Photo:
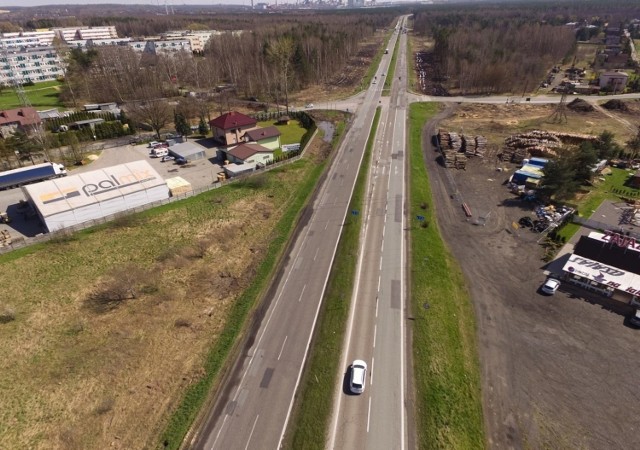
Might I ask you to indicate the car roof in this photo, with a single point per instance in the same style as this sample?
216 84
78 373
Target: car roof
552 282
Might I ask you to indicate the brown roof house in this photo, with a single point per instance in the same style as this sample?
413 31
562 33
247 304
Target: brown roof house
267 137
20 118
230 127
246 157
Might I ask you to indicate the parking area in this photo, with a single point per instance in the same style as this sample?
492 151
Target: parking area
200 173
558 371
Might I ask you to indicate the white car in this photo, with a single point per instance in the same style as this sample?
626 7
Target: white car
550 286
309 105
358 377
635 319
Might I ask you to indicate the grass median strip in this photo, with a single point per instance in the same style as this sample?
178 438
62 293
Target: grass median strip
315 399
445 360
392 69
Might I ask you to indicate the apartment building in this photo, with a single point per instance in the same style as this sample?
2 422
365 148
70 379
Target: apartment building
30 64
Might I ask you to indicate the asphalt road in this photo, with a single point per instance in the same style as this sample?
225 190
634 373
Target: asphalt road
375 334
253 406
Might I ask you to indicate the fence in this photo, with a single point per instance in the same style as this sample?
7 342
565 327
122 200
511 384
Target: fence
601 226
65 232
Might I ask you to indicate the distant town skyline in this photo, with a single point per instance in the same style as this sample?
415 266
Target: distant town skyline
160 3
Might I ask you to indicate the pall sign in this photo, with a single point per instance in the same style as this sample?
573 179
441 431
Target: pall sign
108 184
112 182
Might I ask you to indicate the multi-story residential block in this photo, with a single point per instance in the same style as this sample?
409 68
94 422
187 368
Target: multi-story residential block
30 64
166 47
84 33
88 43
197 39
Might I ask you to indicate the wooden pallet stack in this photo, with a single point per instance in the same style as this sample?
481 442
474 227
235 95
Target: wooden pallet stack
461 161
449 158
445 141
455 142
481 145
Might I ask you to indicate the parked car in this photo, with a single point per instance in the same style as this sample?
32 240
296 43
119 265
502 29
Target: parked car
167 158
550 286
309 105
153 144
526 222
358 377
180 160
635 319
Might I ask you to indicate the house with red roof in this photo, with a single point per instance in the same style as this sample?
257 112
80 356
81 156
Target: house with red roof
230 127
19 118
267 137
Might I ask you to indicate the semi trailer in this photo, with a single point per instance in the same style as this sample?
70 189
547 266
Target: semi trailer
31 174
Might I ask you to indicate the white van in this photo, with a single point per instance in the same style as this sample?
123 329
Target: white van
159 152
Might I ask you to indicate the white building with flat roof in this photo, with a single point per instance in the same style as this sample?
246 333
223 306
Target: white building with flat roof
30 64
77 199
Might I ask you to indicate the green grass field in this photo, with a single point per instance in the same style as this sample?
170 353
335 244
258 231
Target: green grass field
291 134
446 369
313 409
41 95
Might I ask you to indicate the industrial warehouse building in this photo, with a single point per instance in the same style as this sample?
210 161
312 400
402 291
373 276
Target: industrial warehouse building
188 151
607 263
69 201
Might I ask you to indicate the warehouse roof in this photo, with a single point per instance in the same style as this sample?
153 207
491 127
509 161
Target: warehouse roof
76 191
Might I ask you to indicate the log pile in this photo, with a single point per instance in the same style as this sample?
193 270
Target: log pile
455 142
540 143
461 161
5 238
449 158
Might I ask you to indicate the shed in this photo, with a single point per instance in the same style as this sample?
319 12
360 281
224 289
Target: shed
69 201
85 123
233 169
527 174
539 162
188 150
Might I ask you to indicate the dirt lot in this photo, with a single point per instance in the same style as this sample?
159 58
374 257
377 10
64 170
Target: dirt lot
558 372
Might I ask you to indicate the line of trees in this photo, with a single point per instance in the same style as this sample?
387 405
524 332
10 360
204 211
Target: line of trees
508 48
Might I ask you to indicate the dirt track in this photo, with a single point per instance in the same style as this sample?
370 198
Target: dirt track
557 372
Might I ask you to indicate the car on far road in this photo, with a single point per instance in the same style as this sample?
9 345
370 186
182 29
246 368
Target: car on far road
550 286
635 319
309 105
358 376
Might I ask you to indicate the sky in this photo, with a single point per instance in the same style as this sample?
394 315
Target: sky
130 2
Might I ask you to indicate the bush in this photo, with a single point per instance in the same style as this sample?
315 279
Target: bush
7 314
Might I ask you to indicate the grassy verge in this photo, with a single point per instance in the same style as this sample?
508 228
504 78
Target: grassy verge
375 64
196 394
315 400
386 90
446 369
40 95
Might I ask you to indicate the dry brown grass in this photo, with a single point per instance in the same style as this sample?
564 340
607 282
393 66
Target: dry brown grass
74 377
496 122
